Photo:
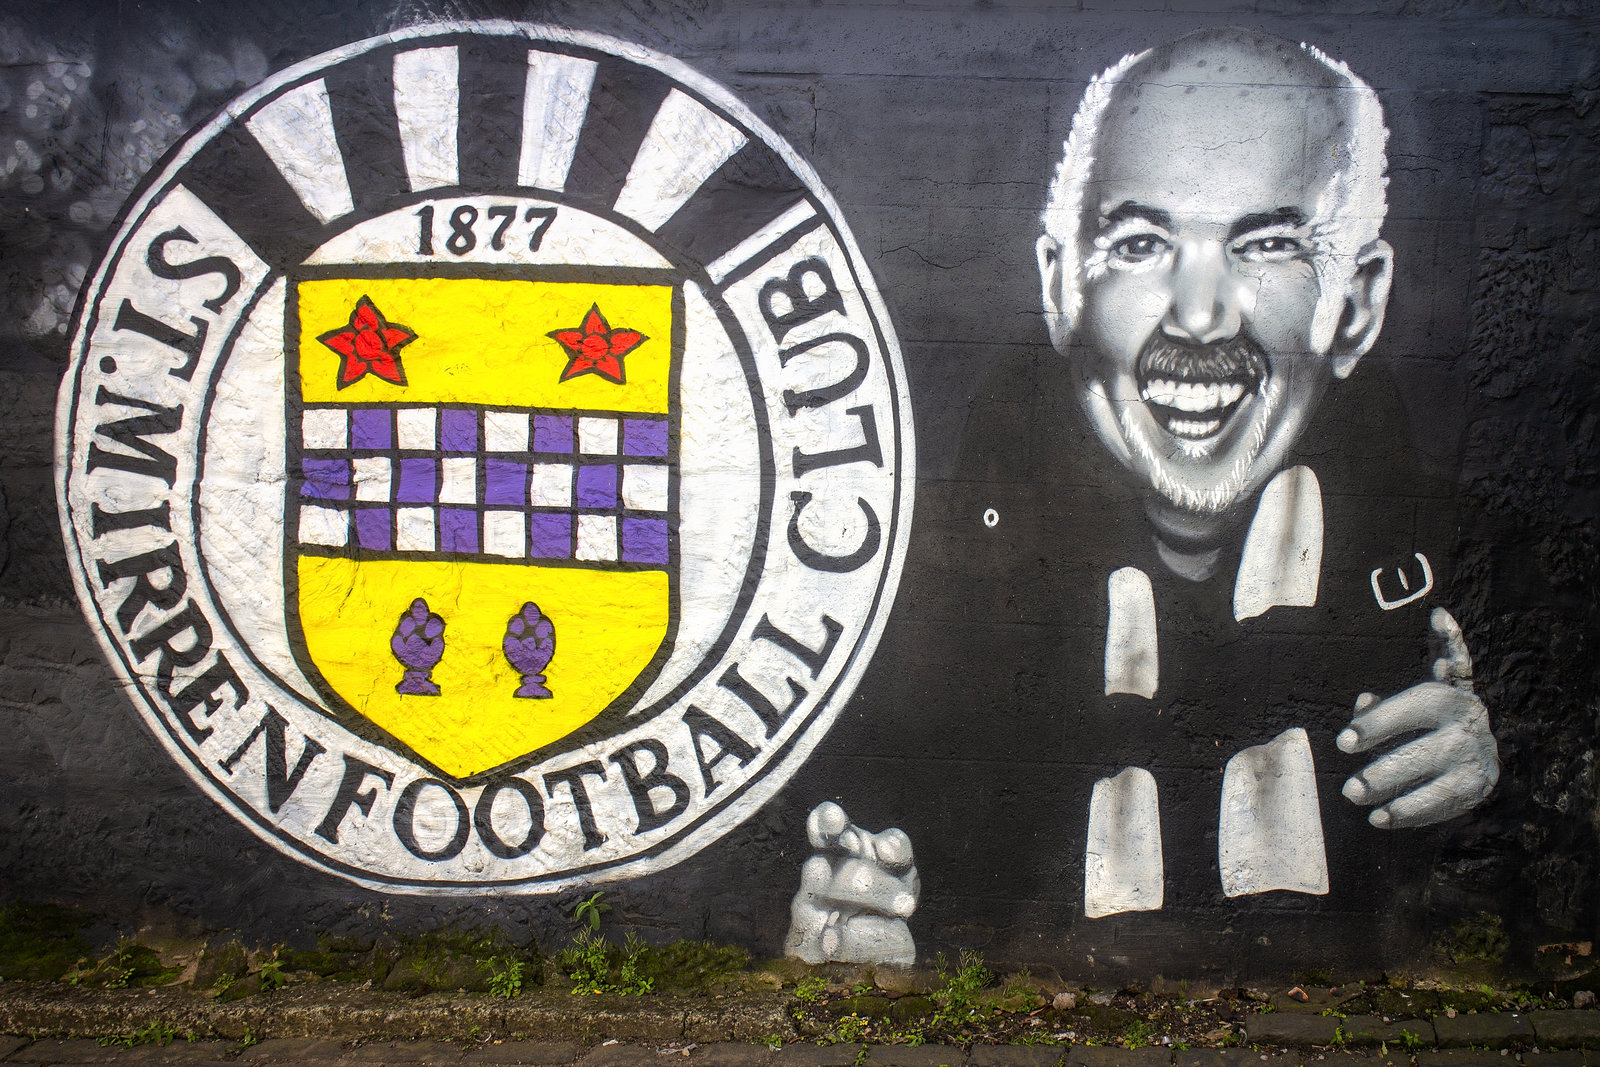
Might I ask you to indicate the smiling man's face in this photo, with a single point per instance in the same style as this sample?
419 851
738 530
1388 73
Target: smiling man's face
1216 302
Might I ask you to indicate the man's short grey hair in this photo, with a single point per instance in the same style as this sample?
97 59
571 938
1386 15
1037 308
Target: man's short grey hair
1349 214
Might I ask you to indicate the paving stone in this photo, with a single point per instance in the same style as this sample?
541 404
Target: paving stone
1370 1030
1243 1057
730 1054
420 1052
1465 1057
1496 1029
1014 1055
76 1050
1102 1056
921 1056
620 1055
84 1050
525 1052
1558 1059
1567 1029
802 1055
292 1050
1281 1028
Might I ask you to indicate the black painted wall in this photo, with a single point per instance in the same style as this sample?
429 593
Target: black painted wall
935 127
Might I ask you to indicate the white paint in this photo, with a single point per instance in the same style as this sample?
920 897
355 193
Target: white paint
855 894
1132 664
740 254
505 533
414 530
427 103
373 477
686 144
415 429
1270 833
551 485
644 487
1282 561
505 431
1122 862
553 110
367 851
296 131
573 236
324 428
458 483
323 526
1410 594
597 537
597 436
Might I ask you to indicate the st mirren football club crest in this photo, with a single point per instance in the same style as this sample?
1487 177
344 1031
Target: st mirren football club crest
486 459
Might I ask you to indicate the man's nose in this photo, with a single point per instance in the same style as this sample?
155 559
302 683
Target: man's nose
1207 302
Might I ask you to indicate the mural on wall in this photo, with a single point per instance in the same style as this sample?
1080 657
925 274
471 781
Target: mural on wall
1259 674
486 459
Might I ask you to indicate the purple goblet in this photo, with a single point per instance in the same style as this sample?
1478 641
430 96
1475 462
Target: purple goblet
529 644
418 643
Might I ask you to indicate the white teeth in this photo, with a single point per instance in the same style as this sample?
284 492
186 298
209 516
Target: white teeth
1193 397
1194 428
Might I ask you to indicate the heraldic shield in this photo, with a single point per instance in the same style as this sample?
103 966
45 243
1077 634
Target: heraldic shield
481 502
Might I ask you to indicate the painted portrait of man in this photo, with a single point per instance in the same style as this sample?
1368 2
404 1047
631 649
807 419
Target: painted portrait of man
1229 675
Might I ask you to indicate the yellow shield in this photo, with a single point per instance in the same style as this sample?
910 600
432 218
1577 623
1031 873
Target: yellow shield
482 503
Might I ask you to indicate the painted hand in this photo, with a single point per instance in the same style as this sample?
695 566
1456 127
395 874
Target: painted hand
855 894
1447 771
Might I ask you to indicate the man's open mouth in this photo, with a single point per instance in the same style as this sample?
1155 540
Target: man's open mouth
1193 391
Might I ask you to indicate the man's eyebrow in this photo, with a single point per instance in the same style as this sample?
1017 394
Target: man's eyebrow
1283 216
1130 210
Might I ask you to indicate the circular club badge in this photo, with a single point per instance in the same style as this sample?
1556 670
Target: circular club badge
486 459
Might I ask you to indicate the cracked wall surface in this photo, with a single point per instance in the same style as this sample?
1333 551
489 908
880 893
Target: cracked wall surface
937 128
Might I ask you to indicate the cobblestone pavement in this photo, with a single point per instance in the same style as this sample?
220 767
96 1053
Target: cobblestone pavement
314 1052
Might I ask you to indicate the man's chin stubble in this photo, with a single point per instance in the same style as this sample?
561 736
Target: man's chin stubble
1215 500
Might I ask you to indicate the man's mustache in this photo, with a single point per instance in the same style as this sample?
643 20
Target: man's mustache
1236 358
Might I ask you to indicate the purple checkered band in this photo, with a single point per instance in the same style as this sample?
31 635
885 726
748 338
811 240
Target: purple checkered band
553 433
371 428
644 437
552 468
458 430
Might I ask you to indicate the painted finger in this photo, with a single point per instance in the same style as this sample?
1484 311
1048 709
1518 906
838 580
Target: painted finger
1349 739
1443 798
1428 757
825 823
1454 665
1422 707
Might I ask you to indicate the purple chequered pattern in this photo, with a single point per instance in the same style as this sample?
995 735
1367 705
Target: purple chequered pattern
458 530
550 535
552 433
325 479
371 428
644 540
597 487
505 482
644 437
418 482
375 529
458 431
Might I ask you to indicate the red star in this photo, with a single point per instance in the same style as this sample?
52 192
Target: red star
597 348
370 345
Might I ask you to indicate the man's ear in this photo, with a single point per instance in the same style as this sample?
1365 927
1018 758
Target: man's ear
1365 304
1052 279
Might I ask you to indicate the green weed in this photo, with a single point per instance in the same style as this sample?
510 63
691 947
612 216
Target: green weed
153 1034
506 981
590 911
810 989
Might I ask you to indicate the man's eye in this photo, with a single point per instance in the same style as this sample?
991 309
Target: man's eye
1270 248
1139 248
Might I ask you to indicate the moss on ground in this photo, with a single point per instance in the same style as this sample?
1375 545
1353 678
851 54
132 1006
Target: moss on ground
40 942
